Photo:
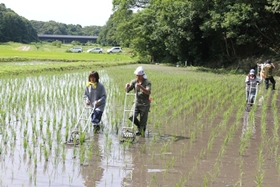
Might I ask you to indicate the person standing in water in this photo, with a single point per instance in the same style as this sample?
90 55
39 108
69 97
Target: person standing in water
142 87
95 96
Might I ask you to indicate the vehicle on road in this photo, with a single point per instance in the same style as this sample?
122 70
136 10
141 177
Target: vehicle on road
115 50
76 49
95 50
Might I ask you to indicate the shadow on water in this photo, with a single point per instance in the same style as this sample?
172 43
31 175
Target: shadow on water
165 137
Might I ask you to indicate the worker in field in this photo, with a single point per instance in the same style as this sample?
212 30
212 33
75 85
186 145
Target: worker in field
142 87
251 83
268 71
95 96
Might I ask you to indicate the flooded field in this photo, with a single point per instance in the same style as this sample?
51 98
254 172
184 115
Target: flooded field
199 133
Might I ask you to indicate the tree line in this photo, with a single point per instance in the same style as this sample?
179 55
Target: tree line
14 27
197 31
213 32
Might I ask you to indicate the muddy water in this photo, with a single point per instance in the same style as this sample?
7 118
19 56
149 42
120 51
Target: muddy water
166 156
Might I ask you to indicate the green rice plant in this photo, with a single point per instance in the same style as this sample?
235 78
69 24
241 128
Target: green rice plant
82 136
82 154
35 161
46 154
259 179
74 151
29 152
205 181
66 133
63 154
25 144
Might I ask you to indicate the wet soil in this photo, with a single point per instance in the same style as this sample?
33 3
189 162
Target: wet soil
186 151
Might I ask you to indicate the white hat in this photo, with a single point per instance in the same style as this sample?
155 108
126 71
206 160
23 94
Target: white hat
140 71
252 72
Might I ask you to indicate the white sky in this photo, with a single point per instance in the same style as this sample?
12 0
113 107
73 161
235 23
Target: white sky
83 12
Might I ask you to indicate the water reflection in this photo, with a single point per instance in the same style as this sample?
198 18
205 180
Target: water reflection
112 166
37 115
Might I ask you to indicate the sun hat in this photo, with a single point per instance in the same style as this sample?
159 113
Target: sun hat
140 71
252 72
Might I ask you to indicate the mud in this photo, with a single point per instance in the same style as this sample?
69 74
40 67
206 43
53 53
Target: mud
178 153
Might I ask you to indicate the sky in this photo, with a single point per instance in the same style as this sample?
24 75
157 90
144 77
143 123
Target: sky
82 12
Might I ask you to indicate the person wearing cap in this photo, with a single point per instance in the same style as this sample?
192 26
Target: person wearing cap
142 87
251 82
95 96
268 68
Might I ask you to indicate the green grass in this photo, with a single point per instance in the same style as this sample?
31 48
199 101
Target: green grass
13 60
13 52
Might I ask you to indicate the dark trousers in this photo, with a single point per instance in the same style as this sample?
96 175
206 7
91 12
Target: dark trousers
271 79
143 111
96 117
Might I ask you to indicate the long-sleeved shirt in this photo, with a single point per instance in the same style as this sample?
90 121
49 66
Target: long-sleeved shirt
251 82
96 92
142 98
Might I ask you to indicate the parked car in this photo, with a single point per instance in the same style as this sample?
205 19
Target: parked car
95 50
76 49
115 50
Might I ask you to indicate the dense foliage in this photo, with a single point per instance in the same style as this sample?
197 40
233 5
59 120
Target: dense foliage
18 29
14 27
198 31
52 27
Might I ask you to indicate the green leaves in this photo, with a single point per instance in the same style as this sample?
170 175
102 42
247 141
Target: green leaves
196 30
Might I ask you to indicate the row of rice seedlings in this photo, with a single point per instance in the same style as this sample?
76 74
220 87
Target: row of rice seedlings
248 130
221 128
55 122
224 123
275 131
40 132
265 139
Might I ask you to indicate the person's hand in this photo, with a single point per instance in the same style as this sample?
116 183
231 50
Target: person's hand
127 85
139 85
88 102
96 103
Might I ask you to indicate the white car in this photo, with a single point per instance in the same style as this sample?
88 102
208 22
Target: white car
115 50
95 50
76 49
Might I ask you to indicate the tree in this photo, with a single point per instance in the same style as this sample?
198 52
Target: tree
221 31
108 35
15 28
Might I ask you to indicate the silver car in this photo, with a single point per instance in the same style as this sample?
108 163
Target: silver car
76 49
115 50
95 50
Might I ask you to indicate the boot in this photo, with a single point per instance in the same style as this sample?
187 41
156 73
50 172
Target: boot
141 132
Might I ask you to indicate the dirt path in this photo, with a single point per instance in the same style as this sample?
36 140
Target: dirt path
24 48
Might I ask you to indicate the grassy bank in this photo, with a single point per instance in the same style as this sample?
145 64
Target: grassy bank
17 58
16 68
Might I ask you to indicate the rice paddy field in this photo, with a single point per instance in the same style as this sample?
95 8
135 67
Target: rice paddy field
199 133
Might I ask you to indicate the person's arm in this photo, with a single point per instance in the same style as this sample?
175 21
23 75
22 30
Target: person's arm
129 86
86 96
145 90
247 80
103 97
272 65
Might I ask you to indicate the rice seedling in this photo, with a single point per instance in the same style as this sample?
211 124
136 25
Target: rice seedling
200 114
46 154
